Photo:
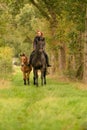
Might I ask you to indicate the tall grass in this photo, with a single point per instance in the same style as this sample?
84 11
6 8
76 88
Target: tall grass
56 106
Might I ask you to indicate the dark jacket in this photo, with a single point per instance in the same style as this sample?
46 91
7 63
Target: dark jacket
36 40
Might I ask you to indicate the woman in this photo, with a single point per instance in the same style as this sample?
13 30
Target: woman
39 37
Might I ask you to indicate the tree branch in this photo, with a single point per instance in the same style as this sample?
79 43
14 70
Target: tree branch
40 9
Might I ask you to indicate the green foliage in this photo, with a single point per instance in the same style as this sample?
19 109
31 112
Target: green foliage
26 15
5 60
61 21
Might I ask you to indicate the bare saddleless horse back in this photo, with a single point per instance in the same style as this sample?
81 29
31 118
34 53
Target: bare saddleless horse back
39 63
25 68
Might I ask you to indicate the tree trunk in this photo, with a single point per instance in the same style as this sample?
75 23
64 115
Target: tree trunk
53 68
85 50
62 59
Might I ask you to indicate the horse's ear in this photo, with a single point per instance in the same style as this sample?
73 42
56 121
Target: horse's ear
22 54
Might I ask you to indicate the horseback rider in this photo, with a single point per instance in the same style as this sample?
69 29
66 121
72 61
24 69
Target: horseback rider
38 38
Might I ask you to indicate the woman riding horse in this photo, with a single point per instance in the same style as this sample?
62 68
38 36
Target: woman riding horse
38 38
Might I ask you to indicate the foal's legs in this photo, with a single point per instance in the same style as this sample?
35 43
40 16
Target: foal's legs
24 77
28 78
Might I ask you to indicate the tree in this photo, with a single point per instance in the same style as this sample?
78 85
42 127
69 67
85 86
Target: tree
85 50
61 21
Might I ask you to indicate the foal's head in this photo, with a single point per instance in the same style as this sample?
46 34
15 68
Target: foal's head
24 59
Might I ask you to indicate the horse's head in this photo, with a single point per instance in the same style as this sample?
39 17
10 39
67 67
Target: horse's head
24 59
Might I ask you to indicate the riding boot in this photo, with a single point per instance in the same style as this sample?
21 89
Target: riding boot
48 65
47 60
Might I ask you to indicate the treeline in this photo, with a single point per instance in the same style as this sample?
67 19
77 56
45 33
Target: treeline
63 24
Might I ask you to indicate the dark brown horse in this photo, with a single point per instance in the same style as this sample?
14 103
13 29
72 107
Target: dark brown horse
39 63
25 68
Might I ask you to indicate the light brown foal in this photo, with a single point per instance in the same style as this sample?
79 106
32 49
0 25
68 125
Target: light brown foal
25 69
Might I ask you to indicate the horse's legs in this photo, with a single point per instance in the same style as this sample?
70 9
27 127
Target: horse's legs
34 80
34 76
28 78
28 81
45 76
37 77
24 77
42 74
24 81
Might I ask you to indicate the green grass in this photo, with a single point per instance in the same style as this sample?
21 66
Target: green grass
56 106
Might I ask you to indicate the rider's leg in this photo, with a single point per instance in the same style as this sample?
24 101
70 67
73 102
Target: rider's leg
47 59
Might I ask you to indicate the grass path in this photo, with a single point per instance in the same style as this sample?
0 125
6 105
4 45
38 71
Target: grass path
56 106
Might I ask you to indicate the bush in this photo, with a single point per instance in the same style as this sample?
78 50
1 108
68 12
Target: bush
5 60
